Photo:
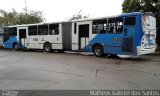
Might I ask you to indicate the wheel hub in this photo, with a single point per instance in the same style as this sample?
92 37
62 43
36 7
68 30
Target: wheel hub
98 51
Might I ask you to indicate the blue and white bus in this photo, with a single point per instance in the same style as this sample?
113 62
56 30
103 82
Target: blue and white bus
1 37
125 34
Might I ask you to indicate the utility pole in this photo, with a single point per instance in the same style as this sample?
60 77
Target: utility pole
26 6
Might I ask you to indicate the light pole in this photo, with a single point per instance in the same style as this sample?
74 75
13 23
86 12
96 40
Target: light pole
26 6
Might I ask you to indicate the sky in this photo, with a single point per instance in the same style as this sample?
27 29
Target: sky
62 10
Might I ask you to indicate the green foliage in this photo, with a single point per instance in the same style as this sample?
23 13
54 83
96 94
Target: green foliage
30 17
140 5
78 16
131 6
144 6
7 18
25 17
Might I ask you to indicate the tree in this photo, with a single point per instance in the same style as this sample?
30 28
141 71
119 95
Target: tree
144 6
7 18
14 18
131 6
78 16
30 17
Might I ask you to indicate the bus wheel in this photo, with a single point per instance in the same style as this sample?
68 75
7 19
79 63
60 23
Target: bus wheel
15 47
98 50
47 47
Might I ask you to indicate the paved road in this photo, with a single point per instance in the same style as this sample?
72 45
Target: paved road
40 70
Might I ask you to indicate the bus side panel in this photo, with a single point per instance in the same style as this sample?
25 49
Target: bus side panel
139 33
134 33
132 36
128 42
124 43
82 36
67 35
1 40
75 36
111 43
10 41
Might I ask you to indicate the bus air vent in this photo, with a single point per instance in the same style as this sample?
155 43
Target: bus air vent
127 44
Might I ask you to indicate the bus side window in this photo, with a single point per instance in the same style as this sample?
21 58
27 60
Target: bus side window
43 30
115 25
99 26
13 31
75 28
6 34
54 29
53 32
130 21
119 27
32 30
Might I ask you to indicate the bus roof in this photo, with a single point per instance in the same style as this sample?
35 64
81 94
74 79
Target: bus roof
123 14
80 20
24 25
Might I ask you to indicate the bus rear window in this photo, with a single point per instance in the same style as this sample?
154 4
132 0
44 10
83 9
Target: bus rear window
130 21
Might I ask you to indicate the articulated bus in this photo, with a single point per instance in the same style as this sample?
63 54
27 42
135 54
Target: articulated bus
1 37
125 34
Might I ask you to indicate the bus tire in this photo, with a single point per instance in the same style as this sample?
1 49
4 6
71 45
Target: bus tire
98 50
15 47
47 47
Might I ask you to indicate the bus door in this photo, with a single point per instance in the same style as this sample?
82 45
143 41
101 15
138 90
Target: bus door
129 34
22 35
83 30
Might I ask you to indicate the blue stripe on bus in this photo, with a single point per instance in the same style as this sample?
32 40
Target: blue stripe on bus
10 41
109 46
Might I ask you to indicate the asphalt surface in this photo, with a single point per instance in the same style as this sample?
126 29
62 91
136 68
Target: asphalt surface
37 70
